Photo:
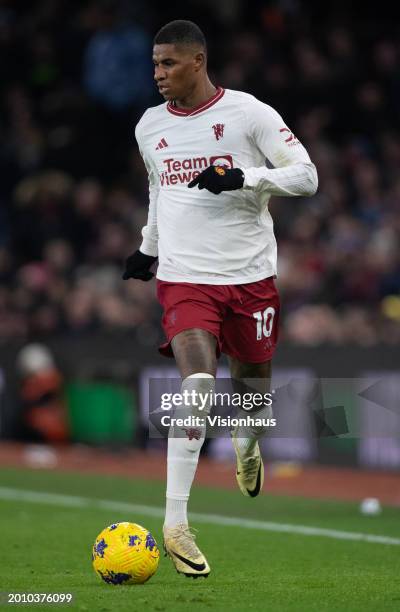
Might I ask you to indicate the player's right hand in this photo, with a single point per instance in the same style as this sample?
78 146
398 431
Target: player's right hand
138 266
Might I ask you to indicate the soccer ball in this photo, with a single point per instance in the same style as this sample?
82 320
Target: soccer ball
125 553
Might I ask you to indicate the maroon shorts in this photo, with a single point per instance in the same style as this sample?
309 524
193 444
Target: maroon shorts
243 318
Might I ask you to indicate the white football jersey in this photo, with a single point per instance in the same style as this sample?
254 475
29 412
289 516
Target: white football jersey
228 238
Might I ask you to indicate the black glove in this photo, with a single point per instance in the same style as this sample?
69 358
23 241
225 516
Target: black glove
219 178
138 266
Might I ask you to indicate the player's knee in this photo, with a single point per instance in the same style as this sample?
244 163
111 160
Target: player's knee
197 392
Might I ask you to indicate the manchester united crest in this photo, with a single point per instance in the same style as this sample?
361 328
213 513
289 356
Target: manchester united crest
218 130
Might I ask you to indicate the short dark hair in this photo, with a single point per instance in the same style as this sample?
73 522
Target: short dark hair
180 32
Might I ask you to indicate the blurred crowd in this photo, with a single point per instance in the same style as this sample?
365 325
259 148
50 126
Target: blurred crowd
75 78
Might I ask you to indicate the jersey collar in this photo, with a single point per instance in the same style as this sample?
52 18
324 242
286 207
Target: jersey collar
186 112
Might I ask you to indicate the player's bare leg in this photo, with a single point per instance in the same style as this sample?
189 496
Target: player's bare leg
250 468
195 355
195 351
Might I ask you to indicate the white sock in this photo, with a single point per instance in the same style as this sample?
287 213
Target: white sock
176 512
247 437
183 456
246 446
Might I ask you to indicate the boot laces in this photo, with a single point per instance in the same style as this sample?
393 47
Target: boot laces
184 536
251 466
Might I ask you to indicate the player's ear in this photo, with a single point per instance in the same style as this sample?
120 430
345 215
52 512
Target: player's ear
200 60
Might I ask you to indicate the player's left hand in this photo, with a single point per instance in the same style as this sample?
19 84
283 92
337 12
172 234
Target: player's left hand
219 178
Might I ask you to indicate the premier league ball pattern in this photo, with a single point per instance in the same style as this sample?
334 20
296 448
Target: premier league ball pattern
125 553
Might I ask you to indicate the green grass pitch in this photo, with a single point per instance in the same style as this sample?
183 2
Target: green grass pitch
47 548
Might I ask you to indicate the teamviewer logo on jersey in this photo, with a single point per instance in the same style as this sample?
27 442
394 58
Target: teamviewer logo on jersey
182 171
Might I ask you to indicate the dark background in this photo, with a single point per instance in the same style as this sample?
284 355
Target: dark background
75 78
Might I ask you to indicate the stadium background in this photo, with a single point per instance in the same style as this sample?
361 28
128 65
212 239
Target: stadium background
75 78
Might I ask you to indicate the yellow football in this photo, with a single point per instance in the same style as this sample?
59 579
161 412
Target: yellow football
125 553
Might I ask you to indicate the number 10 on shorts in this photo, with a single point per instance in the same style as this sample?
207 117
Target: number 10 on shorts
265 321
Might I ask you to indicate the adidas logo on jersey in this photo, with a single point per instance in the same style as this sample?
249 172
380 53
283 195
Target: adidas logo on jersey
162 144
